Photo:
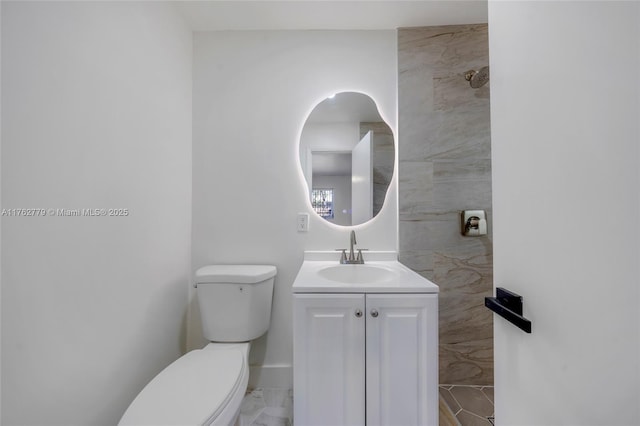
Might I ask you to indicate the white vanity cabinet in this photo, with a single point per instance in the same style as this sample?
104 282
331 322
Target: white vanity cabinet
365 359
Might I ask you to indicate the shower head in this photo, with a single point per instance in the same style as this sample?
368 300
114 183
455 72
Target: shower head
477 78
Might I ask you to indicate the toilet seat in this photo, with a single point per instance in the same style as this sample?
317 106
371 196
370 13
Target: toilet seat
193 390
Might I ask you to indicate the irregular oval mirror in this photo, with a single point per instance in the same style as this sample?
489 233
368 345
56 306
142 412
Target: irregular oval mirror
347 155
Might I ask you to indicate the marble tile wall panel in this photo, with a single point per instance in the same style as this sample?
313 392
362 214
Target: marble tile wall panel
416 181
383 160
462 184
421 261
445 136
429 232
445 49
451 93
444 167
466 332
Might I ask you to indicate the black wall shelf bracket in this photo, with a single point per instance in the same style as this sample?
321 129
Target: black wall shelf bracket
509 306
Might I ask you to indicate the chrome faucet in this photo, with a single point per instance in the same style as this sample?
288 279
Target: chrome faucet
352 242
352 258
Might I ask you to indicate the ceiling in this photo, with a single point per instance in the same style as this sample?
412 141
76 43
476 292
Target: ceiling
214 15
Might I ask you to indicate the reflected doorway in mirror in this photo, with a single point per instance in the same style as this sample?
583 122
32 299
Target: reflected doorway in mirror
346 145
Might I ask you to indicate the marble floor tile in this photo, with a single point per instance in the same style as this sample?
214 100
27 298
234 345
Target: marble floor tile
473 400
445 415
470 405
459 406
469 419
267 407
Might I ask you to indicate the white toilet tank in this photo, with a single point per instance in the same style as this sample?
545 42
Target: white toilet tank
235 301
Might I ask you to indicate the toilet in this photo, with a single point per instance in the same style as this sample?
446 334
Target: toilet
206 386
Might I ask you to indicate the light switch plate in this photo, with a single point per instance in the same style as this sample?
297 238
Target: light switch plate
303 222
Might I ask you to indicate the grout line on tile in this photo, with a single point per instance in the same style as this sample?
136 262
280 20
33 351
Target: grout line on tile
475 415
455 399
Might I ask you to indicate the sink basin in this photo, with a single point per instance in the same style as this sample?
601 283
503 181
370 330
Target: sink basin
356 274
321 272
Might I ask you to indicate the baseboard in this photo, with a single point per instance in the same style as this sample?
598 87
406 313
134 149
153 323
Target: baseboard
271 376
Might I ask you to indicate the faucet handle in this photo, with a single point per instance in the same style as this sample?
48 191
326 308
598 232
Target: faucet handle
343 256
360 259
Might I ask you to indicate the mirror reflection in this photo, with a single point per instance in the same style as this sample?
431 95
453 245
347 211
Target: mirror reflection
347 154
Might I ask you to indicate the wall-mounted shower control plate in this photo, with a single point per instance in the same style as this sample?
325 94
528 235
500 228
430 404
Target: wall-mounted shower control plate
473 223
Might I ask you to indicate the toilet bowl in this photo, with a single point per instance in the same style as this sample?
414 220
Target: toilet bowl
206 386
203 387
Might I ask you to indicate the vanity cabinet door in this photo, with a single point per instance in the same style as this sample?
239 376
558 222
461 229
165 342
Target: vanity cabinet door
402 359
329 359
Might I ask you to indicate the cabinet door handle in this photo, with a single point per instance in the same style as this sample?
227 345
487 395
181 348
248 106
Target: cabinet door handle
358 313
374 313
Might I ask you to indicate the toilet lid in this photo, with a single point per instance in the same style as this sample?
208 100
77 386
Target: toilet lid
241 274
191 391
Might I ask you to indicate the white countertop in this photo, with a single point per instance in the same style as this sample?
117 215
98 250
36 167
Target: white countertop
397 277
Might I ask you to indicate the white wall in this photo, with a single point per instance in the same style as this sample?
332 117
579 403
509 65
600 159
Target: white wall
96 113
0 220
252 94
565 113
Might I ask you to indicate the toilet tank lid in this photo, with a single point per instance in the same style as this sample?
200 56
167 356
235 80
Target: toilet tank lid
241 274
